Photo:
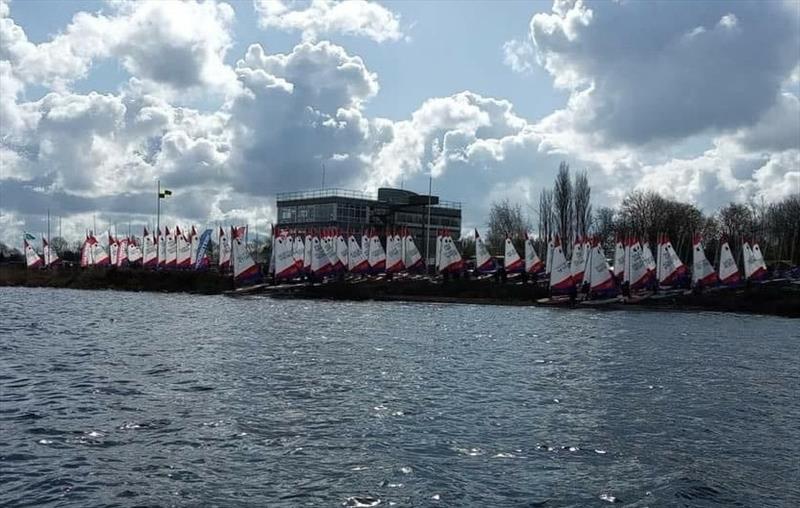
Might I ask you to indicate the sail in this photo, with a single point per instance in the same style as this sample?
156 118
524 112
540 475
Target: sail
532 262
184 249
365 245
394 254
413 259
560 275
450 259
728 271
357 263
50 256
171 249
134 251
320 263
224 251
307 253
122 252
329 248
599 274
32 258
759 258
670 268
194 242
203 246
484 262
754 269
549 261
619 259
149 250
86 252
285 260
245 268
702 271
578 263
341 251
113 250
512 262
647 254
438 255
99 253
298 252
377 256
161 240
638 274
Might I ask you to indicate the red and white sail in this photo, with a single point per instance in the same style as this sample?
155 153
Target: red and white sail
413 259
113 249
245 267
754 266
638 274
560 274
365 245
161 245
512 262
122 251
759 257
728 271
438 254
149 250
670 269
599 274
285 260
224 251
100 255
49 253
649 261
549 261
578 263
450 259
377 256
320 263
357 263
298 252
135 254
32 258
171 246
341 251
532 262
394 254
184 249
307 253
484 262
619 259
86 252
702 271
194 243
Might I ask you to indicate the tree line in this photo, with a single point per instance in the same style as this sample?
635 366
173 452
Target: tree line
566 210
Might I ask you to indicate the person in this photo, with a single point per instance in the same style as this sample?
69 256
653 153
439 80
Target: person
573 294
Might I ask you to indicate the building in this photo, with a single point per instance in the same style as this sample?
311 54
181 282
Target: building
356 211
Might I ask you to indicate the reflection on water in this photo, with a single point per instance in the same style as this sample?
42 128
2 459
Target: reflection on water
144 399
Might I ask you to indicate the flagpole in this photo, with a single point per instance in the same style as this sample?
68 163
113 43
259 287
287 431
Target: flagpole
158 209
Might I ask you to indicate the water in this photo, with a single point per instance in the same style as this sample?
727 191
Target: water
130 399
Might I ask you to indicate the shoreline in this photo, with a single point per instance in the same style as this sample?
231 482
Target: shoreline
776 299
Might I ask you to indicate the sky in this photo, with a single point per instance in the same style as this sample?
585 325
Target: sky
228 104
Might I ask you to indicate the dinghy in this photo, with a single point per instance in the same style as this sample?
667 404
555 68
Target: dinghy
224 252
183 249
619 259
512 262
245 269
394 254
670 270
578 263
533 264
149 250
484 262
377 256
602 284
32 258
49 254
285 258
356 262
450 261
728 272
413 259
754 267
561 283
703 274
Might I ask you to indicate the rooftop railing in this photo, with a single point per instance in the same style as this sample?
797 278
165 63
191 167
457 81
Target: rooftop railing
346 193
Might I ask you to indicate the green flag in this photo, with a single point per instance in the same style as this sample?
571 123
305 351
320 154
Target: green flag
29 236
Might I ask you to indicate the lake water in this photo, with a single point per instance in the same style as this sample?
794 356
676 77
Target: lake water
130 399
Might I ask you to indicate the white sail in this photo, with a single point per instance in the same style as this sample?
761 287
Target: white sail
754 267
122 252
330 252
512 262
638 274
560 275
99 253
135 254
647 254
113 250
48 253
285 257
549 261
728 271
307 253
357 263
702 271
757 254
184 249
394 254
670 267
298 252
224 251
171 248
532 262
245 267
483 260
86 252
413 259
341 252
377 256
451 261
149 250
599 275
438 255
162 248
578 263
619 259
194 242
365 246
320 263
32 258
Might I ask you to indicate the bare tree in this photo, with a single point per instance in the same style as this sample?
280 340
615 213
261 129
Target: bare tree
581 199
505 219
562 204
605 226
546 220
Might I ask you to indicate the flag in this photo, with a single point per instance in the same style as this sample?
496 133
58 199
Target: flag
29 236
165 193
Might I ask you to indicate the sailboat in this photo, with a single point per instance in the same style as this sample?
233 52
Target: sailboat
245 268
638 274
703 274
533 264
728 272
602 284
320 263
450 260
561 282
549 261
32 258
50 255
285 260
224 252
356 262
412 256
341 252
183 250
171 246
100 255
394 254
512 262
619 259
754 267
670 270
578 263
377 256
484 262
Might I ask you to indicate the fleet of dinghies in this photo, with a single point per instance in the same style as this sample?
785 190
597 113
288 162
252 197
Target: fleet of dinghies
331 252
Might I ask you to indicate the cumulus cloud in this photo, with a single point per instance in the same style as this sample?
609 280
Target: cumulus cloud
325 17
658 71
